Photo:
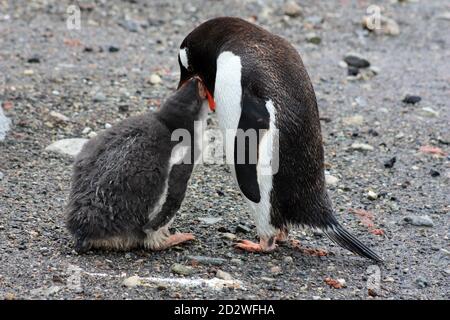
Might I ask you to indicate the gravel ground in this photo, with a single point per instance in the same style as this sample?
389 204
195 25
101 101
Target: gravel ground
45 67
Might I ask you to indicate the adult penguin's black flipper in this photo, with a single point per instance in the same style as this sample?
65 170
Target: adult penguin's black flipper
254 118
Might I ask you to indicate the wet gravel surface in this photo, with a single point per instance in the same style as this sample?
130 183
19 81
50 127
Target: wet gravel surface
102 73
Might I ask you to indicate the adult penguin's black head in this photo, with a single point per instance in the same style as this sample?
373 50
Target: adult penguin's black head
200 49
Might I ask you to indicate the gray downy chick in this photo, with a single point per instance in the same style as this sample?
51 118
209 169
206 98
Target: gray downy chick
130 180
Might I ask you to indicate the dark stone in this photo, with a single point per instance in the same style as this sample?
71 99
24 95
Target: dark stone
220 193
129 25
434 173
356 62
123 108
242 228
223 229
352 71
411 99
88 49
113 49
390 163
34 59
206 260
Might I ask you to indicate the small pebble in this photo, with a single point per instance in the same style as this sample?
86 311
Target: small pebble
331 180
356 61
411 99
292 9
313 38
131 282
229 236
420 221
429 112
288 260
390 163
182 269
210 220
113 49
223 275
86 130
352 71
99 97
123 108
58 117
353 120
434 173
92 134
242 228
362 146
206 260
70 147
421 282
34 59
155 79
371 195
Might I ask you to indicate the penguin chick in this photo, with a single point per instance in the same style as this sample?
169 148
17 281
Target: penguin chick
128 181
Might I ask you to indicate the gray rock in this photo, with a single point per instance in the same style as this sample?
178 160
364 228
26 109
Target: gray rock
330 180
444 16
154 79
58 117
5 123
1 175
243 229
314 20
421 282
429 112
207 260
313 38
210 220
355 120
288 260
292 9
421 221
47 292
229 236
129 25
131 282
67 147
372 195
178 268
362 146
223 275
356 61
99 97
237 261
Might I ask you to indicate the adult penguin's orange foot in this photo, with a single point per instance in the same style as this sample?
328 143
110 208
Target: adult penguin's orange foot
263 245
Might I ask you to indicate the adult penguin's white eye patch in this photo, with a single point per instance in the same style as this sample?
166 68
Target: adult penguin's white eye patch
184 58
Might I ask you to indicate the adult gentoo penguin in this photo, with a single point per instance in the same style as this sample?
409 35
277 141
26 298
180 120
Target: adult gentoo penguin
257 80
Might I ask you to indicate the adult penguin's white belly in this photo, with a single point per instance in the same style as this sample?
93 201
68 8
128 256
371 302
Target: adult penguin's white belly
228 97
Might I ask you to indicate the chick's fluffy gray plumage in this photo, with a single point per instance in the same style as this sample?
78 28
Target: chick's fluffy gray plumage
120 176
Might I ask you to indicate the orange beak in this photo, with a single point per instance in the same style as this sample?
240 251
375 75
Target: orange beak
211 102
